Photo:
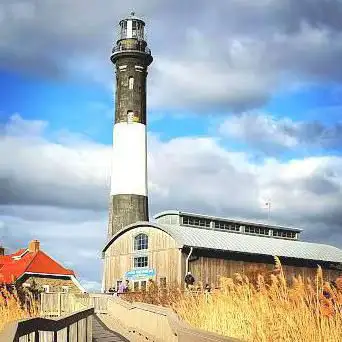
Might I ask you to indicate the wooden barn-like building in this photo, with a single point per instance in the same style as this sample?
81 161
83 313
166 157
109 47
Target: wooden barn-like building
209 247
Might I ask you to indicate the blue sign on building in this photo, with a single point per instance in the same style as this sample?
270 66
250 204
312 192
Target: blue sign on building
140 273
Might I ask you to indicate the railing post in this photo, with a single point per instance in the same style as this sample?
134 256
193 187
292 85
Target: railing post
59 304
55 336
77 331
68 334
86 329
36 336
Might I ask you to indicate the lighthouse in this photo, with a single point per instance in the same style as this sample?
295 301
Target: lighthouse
128 194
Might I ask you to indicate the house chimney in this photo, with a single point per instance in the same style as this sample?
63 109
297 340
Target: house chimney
34 246
2 250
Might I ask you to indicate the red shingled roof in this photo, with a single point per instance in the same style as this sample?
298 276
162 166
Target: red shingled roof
17 264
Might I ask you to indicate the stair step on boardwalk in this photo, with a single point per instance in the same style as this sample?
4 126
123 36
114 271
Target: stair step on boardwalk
103 334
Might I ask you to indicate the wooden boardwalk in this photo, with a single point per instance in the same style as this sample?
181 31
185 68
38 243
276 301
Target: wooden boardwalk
102 334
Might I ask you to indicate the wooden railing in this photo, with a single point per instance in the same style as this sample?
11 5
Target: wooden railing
147 321
75 327
59 304
155 323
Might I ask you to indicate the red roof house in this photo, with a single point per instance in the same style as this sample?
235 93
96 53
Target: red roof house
32 264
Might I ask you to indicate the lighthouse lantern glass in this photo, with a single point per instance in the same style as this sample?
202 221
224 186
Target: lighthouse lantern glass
132 28
123 29
137 29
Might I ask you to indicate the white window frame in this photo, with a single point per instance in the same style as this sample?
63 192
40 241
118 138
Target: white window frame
46 288
65 288
140 256
131 83
148 242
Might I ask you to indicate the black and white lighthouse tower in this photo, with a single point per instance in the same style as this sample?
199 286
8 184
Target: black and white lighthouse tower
128 195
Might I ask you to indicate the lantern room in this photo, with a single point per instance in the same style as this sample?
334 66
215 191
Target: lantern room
132 27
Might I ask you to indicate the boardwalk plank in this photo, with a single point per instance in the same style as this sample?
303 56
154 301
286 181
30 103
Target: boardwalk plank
102 333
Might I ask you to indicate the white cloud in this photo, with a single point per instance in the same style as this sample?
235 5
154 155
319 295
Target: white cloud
263 129
22 128
271 134
60 185
234 54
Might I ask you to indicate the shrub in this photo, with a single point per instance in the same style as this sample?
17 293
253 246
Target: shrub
269 307
16 304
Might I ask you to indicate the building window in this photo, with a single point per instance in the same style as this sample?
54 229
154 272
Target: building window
136 286
162 282
65 289
131 83
227 226
141 242
46 288
256 230
143 285
284 234
195 221
140 261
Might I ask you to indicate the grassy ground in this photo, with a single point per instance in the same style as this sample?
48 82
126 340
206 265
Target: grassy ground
12 308
263 310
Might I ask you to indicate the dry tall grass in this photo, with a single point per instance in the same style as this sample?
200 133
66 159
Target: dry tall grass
270 309
13 308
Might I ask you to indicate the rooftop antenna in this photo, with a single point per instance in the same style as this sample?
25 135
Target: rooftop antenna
268 206
3 235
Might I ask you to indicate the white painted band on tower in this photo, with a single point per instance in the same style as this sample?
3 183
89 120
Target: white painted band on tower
129 168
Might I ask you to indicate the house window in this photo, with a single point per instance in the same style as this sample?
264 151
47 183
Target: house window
65 289
46 288
141 242
141 261
131 83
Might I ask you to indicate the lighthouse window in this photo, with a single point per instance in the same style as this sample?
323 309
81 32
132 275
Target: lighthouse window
131 83
124 29
134 29
130 116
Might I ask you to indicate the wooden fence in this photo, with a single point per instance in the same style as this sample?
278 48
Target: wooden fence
59 304
75 327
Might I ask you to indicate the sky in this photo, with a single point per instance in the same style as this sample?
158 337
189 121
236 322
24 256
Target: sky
244 105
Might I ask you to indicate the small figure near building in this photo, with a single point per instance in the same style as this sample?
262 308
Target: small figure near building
189 280
126 289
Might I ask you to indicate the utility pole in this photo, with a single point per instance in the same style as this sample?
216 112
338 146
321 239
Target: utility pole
268 205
